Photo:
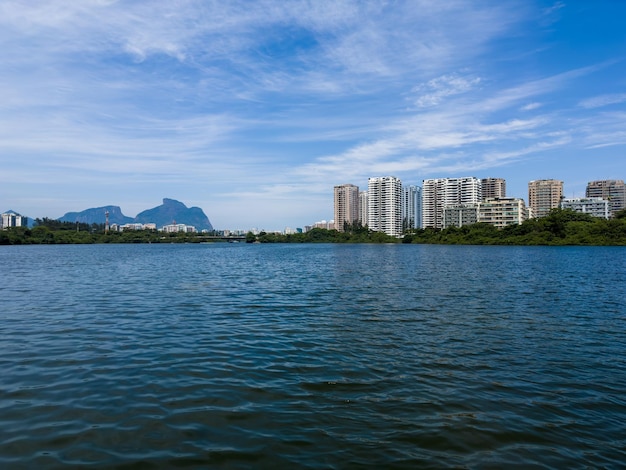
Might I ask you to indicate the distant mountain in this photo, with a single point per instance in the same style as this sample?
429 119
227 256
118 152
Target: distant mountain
97 215
171 211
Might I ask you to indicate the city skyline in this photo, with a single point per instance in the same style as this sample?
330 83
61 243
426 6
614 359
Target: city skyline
253 112
472 191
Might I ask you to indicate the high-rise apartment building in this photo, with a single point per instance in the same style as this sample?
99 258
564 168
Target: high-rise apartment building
613 191
440 193
363 207
411 207
543 196
432 202
493 187
346 205
384 212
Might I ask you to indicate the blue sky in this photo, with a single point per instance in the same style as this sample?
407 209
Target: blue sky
253 111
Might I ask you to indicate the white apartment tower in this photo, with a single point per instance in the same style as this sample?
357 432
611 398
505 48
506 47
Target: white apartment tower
543 196
439 193
411 207
346 205
384 212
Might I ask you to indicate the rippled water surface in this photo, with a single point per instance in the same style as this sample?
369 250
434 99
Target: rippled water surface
312 356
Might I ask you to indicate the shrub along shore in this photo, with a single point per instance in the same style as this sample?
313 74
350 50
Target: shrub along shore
560 227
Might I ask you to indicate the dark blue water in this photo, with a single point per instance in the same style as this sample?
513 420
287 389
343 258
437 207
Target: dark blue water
312 356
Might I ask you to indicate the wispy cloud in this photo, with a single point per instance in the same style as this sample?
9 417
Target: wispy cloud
436 90
603 100
531 106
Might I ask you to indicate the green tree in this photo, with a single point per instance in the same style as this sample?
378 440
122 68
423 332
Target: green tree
621 214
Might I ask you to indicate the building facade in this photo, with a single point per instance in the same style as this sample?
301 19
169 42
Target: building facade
544 195
175 228
613 191
460 215
384 214
13 219
493 187
503 211
411 207
325 224
439 193
132 226
363 205
346 205
432 202
594 206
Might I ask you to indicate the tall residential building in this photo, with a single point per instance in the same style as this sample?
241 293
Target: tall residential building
594 206
346 205
544 195
440 193
384 212
503 211
613 191
363 206
418 209
432 204
493 187
411 207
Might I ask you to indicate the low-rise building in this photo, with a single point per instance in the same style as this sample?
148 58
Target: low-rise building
13 219
325 224
503 211
176 228
460 215
133 226
594 206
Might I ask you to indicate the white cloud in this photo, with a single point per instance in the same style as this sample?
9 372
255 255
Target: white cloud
531 106
436 90
603 100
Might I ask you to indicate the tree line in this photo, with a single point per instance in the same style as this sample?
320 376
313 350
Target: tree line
560 227
55 232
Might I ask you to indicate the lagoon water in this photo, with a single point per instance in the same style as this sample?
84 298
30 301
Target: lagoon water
312 356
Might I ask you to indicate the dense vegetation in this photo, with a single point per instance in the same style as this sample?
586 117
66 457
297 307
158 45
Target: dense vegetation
352 234
50 231
560 227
